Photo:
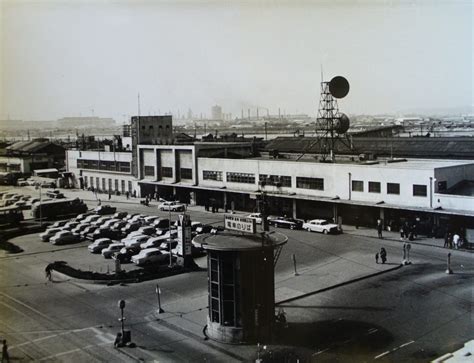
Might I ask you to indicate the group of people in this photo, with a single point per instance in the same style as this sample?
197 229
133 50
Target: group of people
453 240
109 192
408 231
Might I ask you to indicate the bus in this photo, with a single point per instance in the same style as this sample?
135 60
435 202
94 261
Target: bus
53 209
10 215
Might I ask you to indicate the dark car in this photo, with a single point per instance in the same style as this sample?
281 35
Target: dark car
117 226
286 222
102 233
205 228
88 230
105 209
131 227
126 253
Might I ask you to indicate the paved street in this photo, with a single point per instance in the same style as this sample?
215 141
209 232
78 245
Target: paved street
411 313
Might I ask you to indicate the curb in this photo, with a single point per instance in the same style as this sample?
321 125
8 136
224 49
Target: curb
411 242
338 285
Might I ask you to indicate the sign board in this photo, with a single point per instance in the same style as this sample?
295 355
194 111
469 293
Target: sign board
241 224
184 235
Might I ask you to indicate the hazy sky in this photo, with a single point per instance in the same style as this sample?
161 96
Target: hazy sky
71 58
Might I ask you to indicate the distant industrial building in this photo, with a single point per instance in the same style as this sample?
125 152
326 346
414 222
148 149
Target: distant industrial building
216 112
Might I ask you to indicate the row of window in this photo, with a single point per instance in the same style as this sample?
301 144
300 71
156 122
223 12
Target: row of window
276 180
106 184
120 166
419 190
167 172
246 178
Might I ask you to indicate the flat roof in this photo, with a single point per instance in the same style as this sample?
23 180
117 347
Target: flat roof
235 241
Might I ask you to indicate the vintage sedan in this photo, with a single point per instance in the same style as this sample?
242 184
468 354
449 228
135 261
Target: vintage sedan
321 226
285 222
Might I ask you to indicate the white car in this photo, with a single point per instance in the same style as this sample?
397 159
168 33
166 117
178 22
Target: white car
46 235
151 219
153 242
63 237
99 245
257 217
91 218
321 226
150 255
172 206
111 249
135 241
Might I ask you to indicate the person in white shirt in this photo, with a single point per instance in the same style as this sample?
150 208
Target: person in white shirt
456 240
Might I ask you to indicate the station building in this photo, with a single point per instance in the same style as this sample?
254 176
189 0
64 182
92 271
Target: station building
233 174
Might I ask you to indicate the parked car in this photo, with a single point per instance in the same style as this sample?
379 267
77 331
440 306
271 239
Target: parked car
55 194
286 222
102 233
50 232
70 225
172 206
92 218
120 215
125 254
150 255
59 224
101 220
99 245
88 230
153 242
257 217
109 223
105 209
151 219
83 216
321 226
21 182
205 228
166 244
147 230
130 227
64 237
135 241
118 225
161 223
137 218
130 216
109 251
79 228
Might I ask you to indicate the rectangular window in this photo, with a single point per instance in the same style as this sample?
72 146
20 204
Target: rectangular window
122 184
393 188
357 186
130 187
149 170
121 166
246 178
92 181
310 183
97 185
276 180
419 190
116 185
212 175
186 173
103 184
374 187
110 184
166 172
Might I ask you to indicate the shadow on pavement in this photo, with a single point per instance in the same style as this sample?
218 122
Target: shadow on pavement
363 308
341 336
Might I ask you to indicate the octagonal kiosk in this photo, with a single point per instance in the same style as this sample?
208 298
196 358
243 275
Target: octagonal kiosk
241 284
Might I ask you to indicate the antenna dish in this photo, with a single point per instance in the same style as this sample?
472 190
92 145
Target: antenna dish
341 124
339 87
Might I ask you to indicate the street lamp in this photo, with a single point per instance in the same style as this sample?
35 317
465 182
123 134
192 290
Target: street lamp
38 186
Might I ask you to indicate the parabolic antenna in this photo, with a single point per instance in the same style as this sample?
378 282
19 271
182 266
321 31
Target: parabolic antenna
341 125
339 87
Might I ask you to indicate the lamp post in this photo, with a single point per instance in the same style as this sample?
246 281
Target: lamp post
158 295
121 305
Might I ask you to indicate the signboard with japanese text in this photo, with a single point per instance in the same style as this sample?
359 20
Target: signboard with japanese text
184 235
241 224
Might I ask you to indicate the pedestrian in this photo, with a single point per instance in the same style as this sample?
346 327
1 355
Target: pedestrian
5 356
47 271
118 340
134 193
446 240
383 255
110 195
99 203
357 222
147 201
379 228
377 258
127 194
450 240
402 234
456 240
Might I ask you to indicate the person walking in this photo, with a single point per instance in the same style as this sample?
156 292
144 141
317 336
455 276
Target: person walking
379 228
383 255
446 240
377 258
456 240
5 355
127 194
118 340
402 234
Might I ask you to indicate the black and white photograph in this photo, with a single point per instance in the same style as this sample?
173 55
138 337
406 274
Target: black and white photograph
236 181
